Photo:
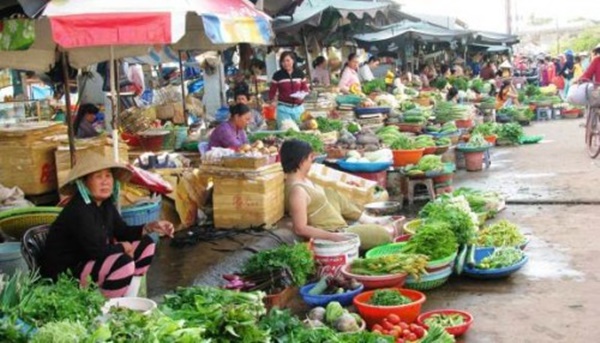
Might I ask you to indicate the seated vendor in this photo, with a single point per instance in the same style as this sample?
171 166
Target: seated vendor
315 212
243 97
232 133
83 125
89 239
507 96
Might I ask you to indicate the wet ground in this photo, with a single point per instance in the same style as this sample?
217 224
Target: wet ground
554 195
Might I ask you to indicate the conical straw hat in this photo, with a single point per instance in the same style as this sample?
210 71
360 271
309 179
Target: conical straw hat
91 162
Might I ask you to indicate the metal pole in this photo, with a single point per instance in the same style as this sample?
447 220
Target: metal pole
115 104
308 70
182 79
70 130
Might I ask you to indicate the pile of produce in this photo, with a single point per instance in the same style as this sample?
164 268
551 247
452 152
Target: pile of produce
445 320
402 332
424 141
382 155
403 143
388 134
510 133
443 141
415 116
334 316
334 285
477 142
486 129
297 258
478 85
270 282
389 297
445 129
434 240
501 234
427 163
285 327
439 82
315 142
446 111
480 201
257 149
501 258
412 264
461 83
456 213
329 125
376 85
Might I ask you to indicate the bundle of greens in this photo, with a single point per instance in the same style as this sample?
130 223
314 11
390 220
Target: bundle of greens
443 141
510 132
388 134
376 85
412 264
329 125
456 212
297 258
460 83
65 299
448 127
446 111
226 315
415 116
437 334
434 240
429 163
403 143
389 297
64 331
501 234
501 258
477 141
315 142
440 82
486 129
424 141
478 85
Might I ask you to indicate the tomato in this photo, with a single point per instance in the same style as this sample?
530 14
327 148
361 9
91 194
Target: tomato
411 337
404 326
387 325
393 318
395 333
397 327
400 340
377 327
385 332
420 332
412 327
405 333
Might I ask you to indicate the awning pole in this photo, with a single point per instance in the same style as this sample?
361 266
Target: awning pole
70 129
182 79
115 104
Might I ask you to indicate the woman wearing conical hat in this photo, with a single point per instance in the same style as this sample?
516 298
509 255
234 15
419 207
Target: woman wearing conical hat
89 238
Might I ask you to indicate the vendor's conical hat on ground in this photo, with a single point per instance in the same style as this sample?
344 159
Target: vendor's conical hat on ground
91 162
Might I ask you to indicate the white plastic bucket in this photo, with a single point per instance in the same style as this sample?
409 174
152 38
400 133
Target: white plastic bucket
331 256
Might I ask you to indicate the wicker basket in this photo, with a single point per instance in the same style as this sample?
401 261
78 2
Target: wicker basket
141 214
15 222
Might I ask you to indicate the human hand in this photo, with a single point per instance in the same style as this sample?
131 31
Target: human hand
162 227
128 249
338 237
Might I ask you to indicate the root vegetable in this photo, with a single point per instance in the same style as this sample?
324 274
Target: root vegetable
317 313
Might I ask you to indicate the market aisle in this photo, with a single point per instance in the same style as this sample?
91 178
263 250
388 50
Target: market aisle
554 297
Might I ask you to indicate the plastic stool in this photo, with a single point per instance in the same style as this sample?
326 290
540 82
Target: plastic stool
428 183
543 113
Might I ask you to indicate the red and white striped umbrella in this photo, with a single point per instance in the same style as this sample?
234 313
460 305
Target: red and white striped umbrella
88 23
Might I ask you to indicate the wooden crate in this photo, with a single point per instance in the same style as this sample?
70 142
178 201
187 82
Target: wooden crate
28 158
242 201
98 145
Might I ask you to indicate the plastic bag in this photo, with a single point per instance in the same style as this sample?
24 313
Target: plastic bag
578 94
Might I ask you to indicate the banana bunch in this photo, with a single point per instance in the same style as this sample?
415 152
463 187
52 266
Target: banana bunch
389 77
412 264
355 89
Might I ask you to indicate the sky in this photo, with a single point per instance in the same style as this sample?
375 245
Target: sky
490 15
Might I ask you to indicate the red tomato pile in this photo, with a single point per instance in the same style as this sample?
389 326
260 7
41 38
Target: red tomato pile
392 325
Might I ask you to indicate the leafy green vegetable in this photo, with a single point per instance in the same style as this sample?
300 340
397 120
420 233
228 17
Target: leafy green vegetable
437 334
501 234
16 289
64 331
477 141
510 132
430 163
501 258
456 213
445 320
478 85
63 300
389 297
486 129
446 111
333 311
297 258
424 141
315 142
460 83
434 240
226 315
443 141
403 143
376 85
413 264
440 82
329 125
12 332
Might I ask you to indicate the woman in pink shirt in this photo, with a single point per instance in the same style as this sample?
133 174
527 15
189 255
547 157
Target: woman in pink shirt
349 75
592 73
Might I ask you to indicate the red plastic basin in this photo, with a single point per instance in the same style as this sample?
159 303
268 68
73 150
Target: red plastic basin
457 330
375 314
375 282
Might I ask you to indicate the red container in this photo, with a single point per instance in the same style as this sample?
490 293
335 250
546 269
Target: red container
464 123
453 330
403 158
375 314
491 139
375 282
379 177
402 238
269 112
429 150
152 143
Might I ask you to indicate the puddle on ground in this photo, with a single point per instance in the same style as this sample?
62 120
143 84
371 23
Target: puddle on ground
532 175
549 262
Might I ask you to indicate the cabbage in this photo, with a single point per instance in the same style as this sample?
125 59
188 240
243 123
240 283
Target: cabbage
353 153
333 311
382 155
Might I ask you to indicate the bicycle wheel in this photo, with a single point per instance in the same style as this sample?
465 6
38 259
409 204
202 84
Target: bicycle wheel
592 134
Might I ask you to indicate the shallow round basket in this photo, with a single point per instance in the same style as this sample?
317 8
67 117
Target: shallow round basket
412 226
383 208
429 281
15 222
374 314
142 214
377 281
498 273
345 299
457 330
142 305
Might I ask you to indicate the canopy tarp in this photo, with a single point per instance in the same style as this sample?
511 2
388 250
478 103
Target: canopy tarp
494 38
310 12
409 30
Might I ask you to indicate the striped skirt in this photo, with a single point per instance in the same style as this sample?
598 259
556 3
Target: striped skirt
113 273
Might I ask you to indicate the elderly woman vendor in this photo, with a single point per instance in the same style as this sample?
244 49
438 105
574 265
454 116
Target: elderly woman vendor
316 212
90 239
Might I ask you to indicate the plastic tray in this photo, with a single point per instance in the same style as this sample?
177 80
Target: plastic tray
480 254
429 281
530 139
345 299
364 167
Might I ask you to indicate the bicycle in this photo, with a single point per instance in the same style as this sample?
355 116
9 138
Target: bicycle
592 126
